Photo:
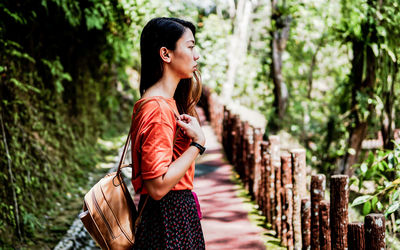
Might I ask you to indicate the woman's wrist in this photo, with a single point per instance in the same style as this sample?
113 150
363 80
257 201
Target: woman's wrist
198 146
200 140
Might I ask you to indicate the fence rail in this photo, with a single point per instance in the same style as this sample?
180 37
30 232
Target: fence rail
276 180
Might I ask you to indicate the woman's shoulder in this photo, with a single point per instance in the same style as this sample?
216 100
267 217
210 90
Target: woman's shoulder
156 109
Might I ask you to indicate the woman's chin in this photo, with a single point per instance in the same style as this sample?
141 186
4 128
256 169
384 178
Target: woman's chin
187 75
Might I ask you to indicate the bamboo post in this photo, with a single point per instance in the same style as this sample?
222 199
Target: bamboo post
325 231
355 236
306 223
339 210
275 164
287 201
299 191
375 231
317 194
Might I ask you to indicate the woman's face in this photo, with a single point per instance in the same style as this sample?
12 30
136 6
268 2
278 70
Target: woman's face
184 57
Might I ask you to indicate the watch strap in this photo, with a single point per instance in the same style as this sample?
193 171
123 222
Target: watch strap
201 148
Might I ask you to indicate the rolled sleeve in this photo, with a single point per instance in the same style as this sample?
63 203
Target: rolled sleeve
157 150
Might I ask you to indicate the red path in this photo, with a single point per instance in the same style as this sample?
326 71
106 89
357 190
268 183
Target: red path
225 222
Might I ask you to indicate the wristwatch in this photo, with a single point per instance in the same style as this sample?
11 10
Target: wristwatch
201 148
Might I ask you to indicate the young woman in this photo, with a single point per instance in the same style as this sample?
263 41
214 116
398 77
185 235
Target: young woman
167 137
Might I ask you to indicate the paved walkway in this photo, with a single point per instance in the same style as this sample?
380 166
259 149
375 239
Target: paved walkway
225 222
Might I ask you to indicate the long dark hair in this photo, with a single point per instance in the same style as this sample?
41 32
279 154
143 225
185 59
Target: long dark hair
165 32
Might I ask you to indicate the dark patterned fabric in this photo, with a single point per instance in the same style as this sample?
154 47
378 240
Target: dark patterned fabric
170 223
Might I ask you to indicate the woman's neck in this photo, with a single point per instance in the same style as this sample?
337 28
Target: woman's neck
164 87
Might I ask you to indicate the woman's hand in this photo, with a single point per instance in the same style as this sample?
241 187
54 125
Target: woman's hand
160 186
191 127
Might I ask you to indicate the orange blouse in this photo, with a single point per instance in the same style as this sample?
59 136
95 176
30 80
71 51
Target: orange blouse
152 138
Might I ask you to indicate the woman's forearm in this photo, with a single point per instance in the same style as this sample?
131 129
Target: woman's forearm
161 185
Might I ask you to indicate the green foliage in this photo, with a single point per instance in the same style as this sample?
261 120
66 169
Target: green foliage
364 25
61 62
58 74
213 43
383 169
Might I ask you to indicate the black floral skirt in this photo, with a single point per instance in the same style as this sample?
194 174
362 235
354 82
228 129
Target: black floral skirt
170 223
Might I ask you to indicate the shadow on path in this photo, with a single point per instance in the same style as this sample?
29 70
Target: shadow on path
225 218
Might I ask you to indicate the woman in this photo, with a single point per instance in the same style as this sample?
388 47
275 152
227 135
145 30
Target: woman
168 137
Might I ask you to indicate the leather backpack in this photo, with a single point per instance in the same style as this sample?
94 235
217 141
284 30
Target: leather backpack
109 214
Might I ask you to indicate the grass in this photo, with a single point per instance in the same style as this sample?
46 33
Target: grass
255 216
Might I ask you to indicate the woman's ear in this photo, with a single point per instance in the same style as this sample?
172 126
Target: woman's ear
165 55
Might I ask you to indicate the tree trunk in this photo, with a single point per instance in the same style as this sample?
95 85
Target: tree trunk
358 130
388 115
280 35
238 45
356 137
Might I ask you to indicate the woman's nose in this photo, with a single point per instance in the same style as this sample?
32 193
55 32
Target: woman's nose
196 55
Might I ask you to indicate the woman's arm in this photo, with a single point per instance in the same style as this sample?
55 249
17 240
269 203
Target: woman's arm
160 186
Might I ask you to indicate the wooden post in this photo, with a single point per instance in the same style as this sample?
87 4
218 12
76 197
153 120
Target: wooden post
225 129
287 205
275 164
278 198
263 177
325 231
243 163
219 121
229 146
299 191
238 142
355 236
239 148
267 181
317 194
306 223
285 165
375 231
250 162
231 136
235 136
339 210
257 163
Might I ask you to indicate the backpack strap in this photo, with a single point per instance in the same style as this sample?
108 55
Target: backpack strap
129 138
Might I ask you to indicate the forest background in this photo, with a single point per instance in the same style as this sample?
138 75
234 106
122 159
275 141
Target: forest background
325 72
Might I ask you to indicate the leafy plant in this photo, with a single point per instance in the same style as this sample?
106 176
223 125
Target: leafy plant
383 169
